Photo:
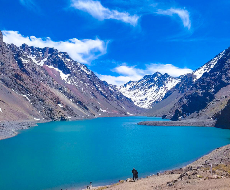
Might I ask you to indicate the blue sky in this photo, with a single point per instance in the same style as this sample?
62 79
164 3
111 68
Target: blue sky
122 40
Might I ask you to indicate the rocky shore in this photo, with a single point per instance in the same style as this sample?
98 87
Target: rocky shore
210 172
10 129
188 122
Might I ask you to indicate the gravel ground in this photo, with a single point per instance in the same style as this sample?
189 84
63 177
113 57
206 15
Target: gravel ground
9 129
189 122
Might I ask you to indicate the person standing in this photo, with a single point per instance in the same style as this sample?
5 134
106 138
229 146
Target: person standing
135 174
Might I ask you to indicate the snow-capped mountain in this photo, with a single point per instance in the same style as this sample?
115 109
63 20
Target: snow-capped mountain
43 83
149 90
208 66
202 94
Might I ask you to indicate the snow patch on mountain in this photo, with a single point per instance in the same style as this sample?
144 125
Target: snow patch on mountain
87 71
62 75
207 67
38 62
149 90
61 106
26 97
103 110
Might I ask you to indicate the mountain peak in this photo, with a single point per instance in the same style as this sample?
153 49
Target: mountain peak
148 90
156 74
166 75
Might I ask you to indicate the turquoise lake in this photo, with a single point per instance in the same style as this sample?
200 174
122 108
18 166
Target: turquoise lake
61 155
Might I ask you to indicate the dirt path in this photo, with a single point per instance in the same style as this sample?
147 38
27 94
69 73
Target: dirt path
158 182
146 183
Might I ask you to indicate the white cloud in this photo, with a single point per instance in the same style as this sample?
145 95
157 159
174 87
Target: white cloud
167 68
95 9
126 74
129 71
182 13
133 74
83 51
98 11
115 80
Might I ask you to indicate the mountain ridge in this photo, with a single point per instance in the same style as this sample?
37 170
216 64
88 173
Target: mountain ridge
149 90
202 94
45 84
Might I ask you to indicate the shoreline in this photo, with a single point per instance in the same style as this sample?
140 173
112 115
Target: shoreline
9 129
188 122
211 171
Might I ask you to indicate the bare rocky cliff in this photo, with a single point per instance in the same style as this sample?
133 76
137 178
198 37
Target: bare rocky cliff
44 84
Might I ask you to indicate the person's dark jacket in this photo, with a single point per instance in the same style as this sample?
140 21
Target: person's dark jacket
135 173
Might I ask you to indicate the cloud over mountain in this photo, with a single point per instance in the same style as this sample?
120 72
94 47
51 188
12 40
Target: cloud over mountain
83 51
126 73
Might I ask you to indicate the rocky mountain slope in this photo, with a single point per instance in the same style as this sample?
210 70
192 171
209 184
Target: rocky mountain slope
45 84
149 90
201 95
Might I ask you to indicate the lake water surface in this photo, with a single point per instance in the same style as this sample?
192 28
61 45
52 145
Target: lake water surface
60 155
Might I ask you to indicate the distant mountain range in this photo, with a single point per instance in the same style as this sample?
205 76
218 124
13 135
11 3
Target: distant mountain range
149 90
203 94
45 84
